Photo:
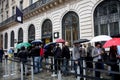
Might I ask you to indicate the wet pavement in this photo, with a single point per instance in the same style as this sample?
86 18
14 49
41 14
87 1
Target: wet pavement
11 71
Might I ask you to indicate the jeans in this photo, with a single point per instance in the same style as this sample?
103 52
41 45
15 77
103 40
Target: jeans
36 64
65 66
41 58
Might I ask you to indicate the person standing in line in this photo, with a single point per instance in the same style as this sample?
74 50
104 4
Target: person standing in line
89 56
66 57
57 56
35 54
76 57
41 55
96 54
23 54
1 54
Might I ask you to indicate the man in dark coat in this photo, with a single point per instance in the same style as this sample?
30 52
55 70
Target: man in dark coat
57 56
66 56
23 54
35 54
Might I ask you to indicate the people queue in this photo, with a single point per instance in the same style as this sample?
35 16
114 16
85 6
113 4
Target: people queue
62 57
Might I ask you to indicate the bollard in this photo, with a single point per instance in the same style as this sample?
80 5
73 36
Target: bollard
53 75
21 71
59 75
78 73
84 71
32 71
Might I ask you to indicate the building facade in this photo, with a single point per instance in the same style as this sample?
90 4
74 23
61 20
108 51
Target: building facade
51 19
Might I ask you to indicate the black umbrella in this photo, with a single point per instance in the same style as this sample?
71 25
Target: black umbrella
81 41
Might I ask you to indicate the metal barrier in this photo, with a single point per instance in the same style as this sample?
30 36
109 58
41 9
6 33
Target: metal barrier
60 76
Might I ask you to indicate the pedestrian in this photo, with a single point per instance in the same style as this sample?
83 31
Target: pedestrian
66 58
23 54
41 55
57 57
89 58
35 54
97 58
113 61
1 54
76 57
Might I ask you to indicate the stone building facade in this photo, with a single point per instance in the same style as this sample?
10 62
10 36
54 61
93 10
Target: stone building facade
68 19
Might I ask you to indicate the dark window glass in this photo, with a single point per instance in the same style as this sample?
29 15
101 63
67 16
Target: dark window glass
114 28
12 39
113 8
108 18
104 29
47 29
31 33
70 27
20 35
6 41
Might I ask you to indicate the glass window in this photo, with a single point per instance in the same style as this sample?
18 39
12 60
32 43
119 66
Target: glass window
113 8
13 10
20 35
96 30
70 27
12 39
104 29
47 29
108 24
31 33
114 28
6 41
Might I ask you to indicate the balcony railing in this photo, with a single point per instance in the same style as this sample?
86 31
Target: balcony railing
27 10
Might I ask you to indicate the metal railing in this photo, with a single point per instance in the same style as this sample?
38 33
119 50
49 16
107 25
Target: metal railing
79 75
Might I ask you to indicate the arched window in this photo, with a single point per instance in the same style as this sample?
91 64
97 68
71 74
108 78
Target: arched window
1 41
6 41
20 35
70 27
31 33
107 18
47 31
12 39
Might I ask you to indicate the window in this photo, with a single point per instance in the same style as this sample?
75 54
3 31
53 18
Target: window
13 10
106 18
31 33
47 29
6 41
70 27
21 4
31 1
12 39
7 14
20 35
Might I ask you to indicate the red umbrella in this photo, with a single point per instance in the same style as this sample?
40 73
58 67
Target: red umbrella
112 42
59 40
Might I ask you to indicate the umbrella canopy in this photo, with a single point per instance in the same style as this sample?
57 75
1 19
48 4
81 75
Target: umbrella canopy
49 44
60 40
81 41
100 38
112 42
25 44
36 42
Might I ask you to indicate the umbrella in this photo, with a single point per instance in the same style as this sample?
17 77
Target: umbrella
81 41
25 44
36 42
100 38
60 40
112 42
49 44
